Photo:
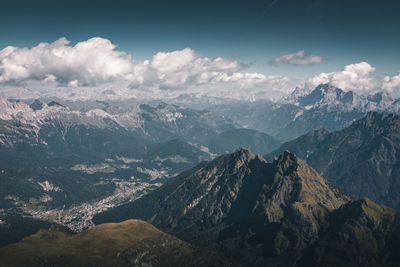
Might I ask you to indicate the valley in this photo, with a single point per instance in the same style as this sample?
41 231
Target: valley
78 218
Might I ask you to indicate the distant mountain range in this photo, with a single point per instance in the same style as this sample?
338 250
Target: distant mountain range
281 213
119 152
305 110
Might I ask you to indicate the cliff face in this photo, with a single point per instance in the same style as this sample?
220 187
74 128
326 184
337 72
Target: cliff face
360 233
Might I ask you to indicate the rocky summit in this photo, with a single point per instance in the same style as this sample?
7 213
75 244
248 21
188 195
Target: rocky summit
261 213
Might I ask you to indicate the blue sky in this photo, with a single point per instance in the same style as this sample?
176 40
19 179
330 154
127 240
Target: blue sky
252 32
342 32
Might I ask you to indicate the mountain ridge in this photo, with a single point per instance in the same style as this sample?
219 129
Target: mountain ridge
360 159
208 204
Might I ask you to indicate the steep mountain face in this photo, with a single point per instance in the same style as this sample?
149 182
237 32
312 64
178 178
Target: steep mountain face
362 160
360 233
129 243
251 210
229 141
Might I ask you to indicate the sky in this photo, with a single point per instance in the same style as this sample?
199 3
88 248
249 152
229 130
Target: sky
293 40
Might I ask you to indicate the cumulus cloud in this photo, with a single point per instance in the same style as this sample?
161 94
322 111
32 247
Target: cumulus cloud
183 68
356 77
97 63
87 63
299 58
185 71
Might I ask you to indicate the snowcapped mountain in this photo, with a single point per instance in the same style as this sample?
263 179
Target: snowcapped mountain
325 95
305 110
112 157
159 124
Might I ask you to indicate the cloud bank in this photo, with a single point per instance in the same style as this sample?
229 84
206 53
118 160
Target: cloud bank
90 67
97 61
299 58
87 63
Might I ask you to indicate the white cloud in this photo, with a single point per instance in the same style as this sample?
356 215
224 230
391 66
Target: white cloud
356 77
96 62
183 68
299 58
87 63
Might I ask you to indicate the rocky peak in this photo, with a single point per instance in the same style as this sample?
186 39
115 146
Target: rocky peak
287 162
320 94
243 154
300 187
328 94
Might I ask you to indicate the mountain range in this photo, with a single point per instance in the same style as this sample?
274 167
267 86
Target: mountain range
81 171
362 159
305 110
114 154
281 213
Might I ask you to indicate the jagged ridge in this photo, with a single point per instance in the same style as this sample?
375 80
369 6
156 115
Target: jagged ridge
241 199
